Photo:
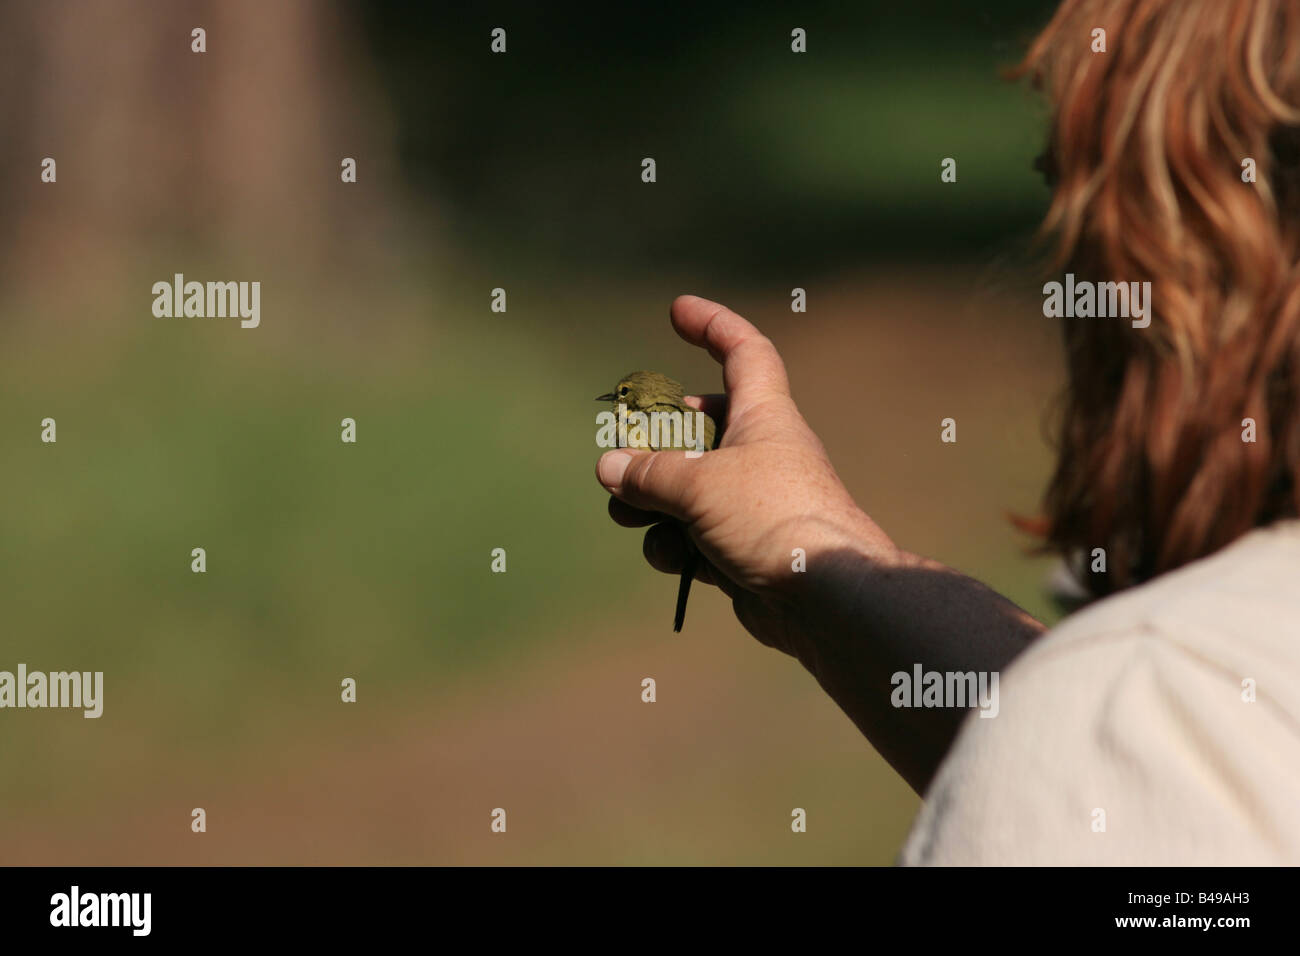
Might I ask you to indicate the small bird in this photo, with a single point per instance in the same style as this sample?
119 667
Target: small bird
650 392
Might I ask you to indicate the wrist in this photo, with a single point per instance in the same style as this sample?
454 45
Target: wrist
841 547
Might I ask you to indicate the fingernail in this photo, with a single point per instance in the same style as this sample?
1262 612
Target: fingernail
611 468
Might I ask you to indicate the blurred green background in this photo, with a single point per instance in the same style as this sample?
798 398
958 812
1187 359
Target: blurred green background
476 429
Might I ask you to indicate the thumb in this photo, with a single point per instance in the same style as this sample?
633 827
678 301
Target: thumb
650 480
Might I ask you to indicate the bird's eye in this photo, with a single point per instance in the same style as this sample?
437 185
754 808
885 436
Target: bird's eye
623 390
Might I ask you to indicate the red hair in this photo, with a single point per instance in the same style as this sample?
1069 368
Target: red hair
1146 156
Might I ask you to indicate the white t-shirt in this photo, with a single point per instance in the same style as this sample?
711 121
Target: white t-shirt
1125 735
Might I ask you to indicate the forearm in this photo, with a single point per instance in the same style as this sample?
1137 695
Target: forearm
851 606
871 611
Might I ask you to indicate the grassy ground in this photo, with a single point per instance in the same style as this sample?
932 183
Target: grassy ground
328 560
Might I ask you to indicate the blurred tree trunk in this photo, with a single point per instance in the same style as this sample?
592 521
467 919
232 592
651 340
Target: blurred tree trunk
235 151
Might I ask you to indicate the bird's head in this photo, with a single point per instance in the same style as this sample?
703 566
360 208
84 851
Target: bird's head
641 390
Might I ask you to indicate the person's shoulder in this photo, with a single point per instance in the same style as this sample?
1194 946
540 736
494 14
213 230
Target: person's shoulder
1245 596
1135 732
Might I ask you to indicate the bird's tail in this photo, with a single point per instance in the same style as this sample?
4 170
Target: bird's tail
684 587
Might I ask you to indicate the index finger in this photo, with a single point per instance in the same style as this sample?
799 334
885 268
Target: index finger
752 369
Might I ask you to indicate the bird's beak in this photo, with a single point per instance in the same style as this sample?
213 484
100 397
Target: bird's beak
607 397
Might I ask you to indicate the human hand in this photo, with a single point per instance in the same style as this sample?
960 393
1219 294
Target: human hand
768 489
